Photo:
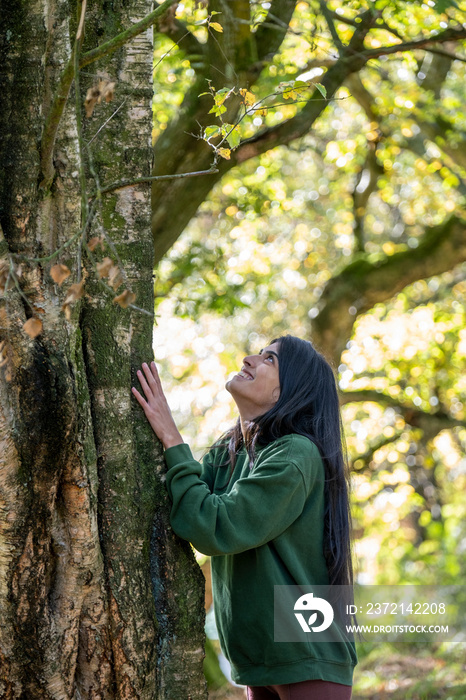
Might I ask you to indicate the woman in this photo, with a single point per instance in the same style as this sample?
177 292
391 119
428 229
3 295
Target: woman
270 505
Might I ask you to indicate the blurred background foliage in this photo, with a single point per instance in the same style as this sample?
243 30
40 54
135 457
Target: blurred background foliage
272 246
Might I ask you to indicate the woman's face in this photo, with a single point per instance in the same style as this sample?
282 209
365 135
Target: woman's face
256 387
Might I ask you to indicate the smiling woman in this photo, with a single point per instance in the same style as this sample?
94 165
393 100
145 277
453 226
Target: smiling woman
256 388
270 504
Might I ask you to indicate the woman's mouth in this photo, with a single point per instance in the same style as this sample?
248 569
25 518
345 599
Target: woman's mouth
245 375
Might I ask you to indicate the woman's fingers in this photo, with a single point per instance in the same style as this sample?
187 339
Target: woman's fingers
138 396
145 386
153 379
155 375
155 406
150 383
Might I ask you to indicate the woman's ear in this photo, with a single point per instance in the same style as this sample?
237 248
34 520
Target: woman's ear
276 394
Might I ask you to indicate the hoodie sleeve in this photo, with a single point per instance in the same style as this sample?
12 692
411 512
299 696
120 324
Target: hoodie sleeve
259 507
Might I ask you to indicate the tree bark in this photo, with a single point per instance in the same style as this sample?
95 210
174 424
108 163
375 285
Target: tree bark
98 598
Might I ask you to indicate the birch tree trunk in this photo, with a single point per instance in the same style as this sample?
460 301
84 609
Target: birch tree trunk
98 598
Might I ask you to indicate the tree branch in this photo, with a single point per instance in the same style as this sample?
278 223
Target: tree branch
341 18
365 185
450 34
364 283
169 220
446 54
329 19
366 457
54 117
170 159
363 96
431 423
352 22
123 38
352 60
268 40
433 81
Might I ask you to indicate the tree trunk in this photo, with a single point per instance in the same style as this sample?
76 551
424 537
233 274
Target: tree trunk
98 598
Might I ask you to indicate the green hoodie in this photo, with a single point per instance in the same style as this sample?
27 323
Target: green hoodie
263 527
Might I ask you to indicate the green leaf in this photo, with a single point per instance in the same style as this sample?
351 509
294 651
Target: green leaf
321 88
232 135
217 110
210 131
221 95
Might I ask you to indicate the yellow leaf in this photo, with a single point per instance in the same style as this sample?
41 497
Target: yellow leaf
248 97
33 327
224 153
125 298
215 25
59 273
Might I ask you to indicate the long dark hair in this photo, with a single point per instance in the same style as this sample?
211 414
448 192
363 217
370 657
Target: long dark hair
309 405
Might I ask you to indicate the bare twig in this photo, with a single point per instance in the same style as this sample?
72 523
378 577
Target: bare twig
329 19
14 278
212 35
79 129
79 33
143 311
106 122
150 178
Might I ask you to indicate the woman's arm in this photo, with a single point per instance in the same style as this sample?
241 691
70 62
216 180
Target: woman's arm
155 406
261 505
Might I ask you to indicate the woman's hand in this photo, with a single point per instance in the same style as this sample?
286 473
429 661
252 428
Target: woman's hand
156 407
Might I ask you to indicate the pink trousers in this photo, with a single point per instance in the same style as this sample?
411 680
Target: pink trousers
306 690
